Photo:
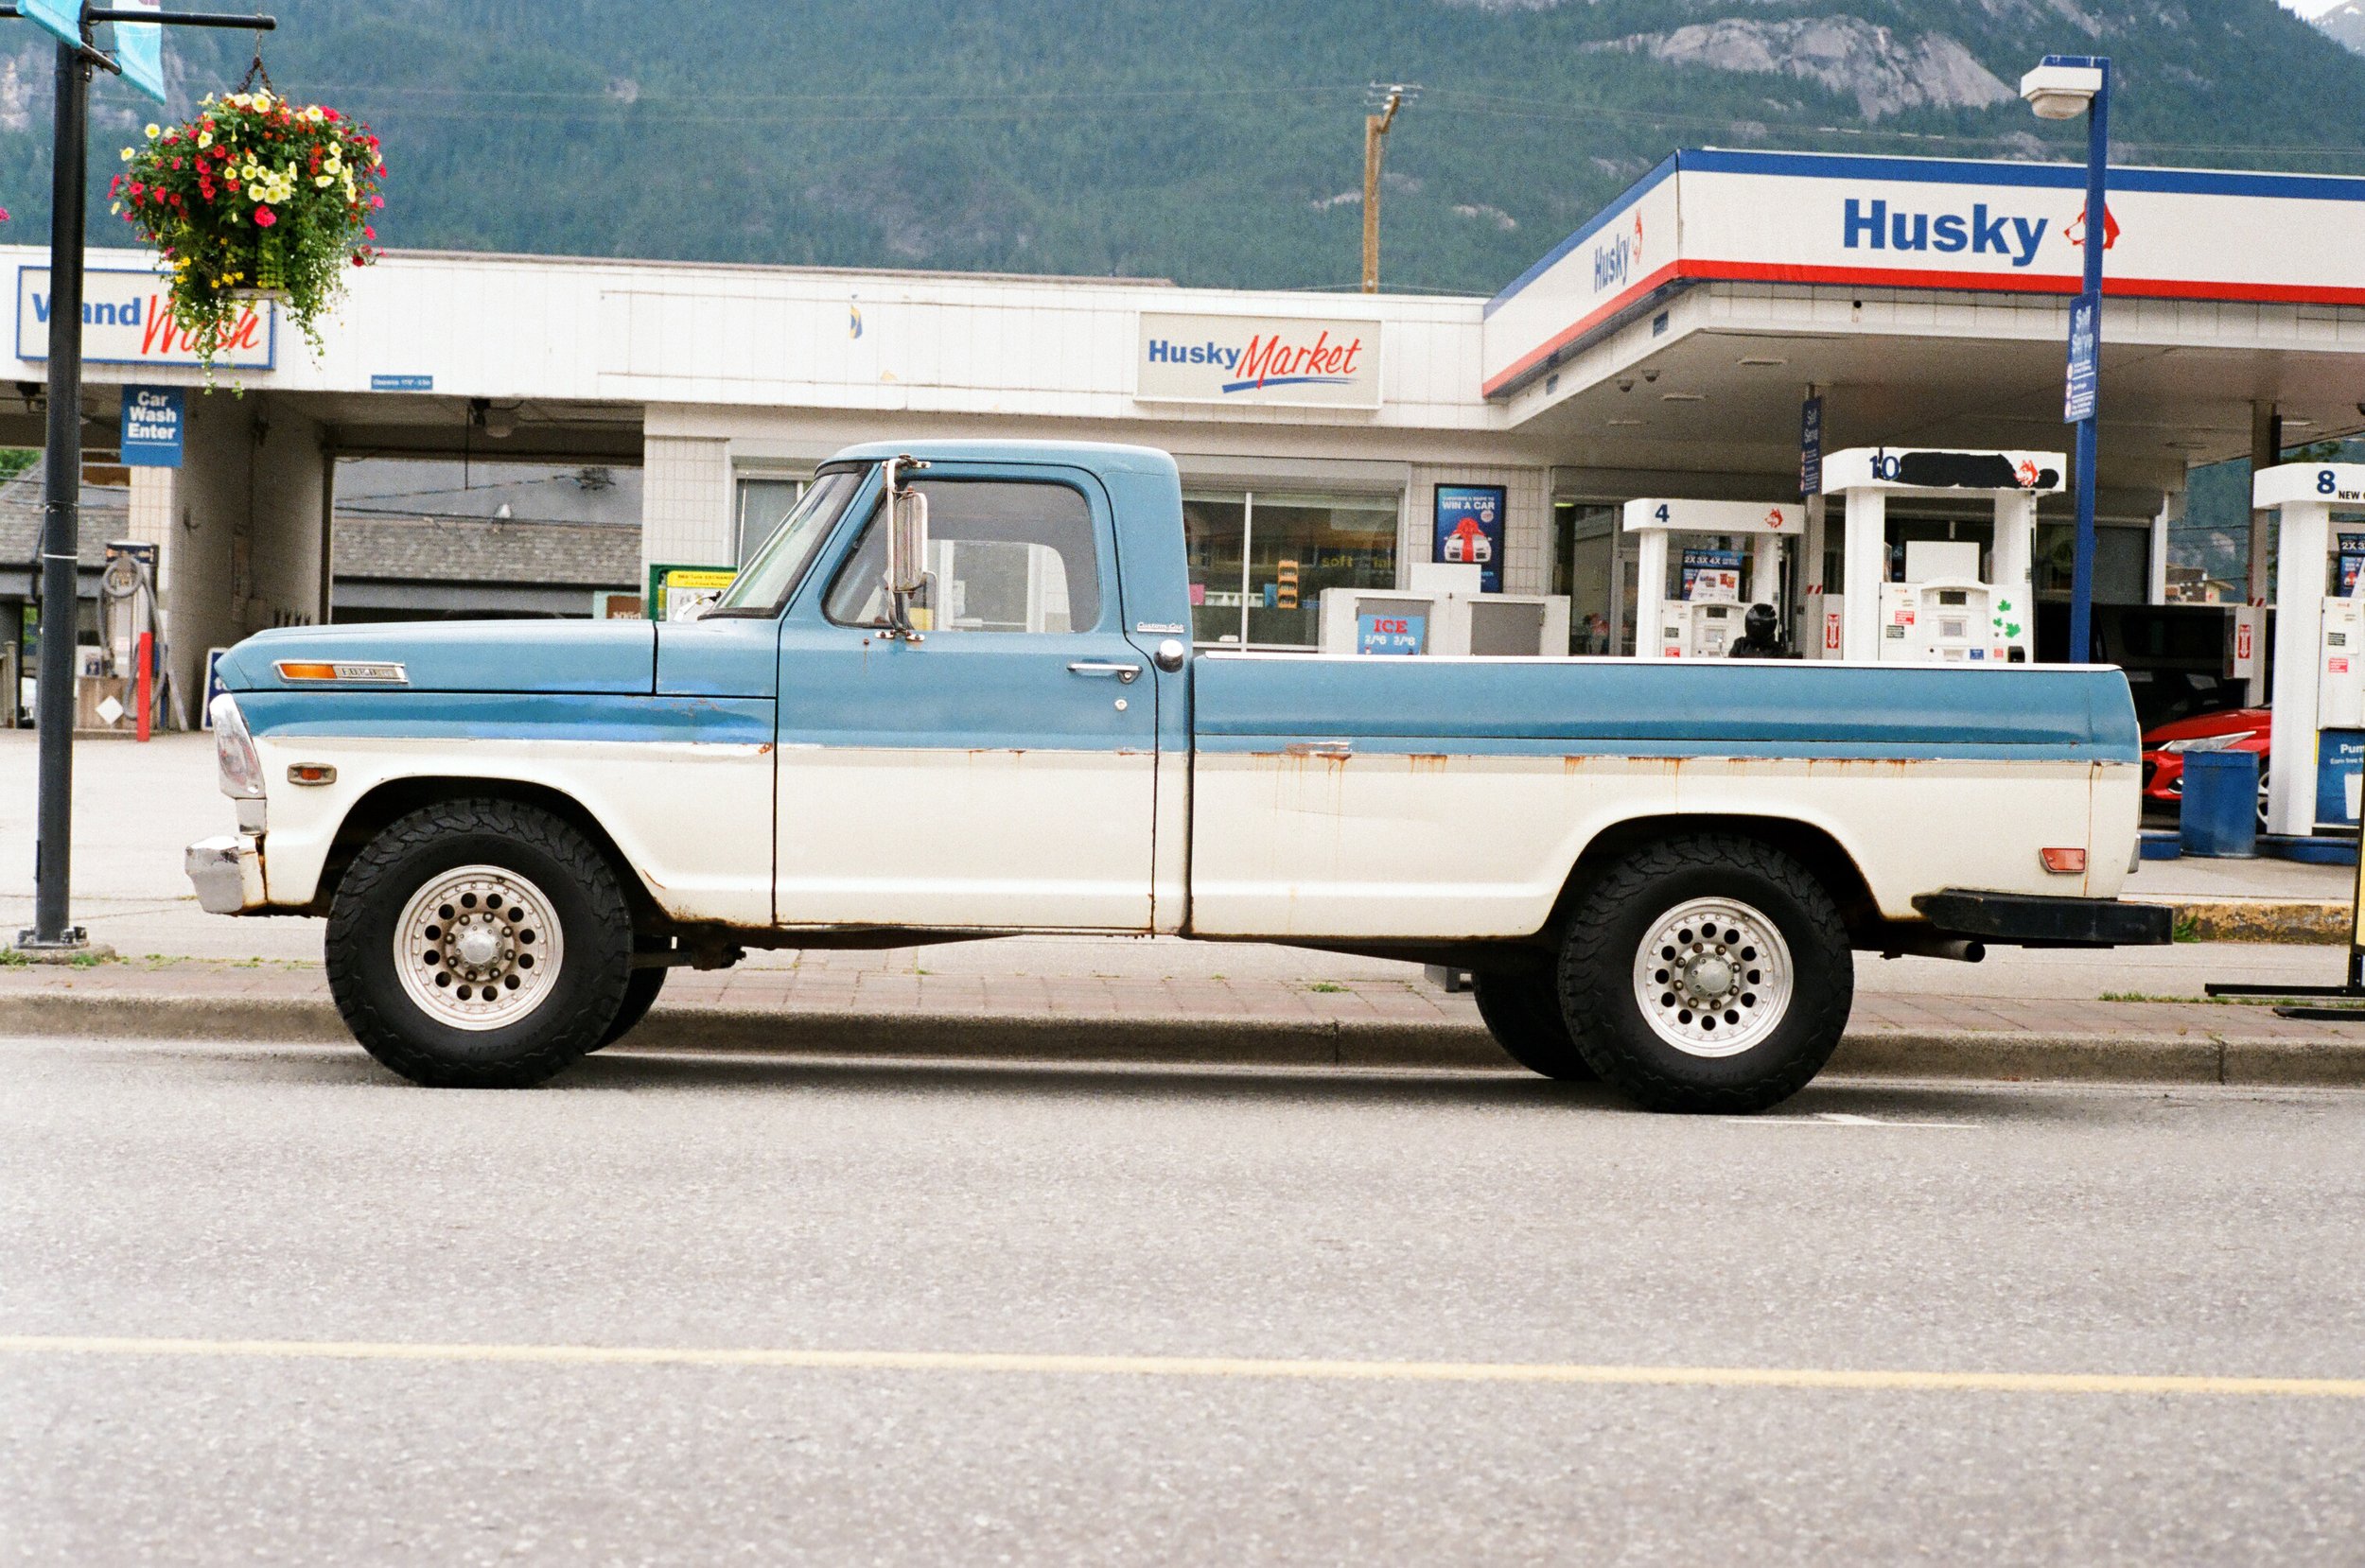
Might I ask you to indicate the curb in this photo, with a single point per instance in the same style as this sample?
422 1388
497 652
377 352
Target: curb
2291 920
2159 1057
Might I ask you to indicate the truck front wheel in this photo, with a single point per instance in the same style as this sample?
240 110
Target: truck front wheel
479 943
1523 1013
1706 973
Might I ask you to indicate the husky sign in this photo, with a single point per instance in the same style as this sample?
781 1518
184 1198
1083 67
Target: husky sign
1265 360
126 322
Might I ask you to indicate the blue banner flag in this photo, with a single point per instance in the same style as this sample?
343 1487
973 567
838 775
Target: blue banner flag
61 17
140 49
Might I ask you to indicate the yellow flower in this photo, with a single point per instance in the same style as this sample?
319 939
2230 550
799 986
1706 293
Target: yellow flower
313 113
205 138
115 206
153 132
321 180
126 154
334 164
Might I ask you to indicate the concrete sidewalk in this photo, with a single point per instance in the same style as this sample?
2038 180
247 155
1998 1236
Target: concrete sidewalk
1369 1021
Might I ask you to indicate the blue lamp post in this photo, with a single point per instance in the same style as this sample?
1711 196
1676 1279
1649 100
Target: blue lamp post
2058 89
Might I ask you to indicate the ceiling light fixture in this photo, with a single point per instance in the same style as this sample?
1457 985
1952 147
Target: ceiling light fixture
1762 361
1701 397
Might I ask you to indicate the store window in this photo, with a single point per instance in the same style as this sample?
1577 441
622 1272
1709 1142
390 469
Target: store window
2122 561
1585 563
764 503
1260 560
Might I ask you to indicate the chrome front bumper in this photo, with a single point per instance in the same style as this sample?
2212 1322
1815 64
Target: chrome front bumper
227 873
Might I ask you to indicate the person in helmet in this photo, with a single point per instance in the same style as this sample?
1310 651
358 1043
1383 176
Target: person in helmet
1760 637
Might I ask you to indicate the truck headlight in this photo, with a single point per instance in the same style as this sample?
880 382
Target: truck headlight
234 751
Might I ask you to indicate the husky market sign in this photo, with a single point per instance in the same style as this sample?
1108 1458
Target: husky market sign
1265 360
1794 217
126 322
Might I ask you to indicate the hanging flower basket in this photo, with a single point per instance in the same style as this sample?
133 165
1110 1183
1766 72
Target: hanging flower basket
254 198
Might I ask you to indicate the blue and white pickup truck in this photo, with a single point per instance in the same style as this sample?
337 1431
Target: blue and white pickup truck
956 696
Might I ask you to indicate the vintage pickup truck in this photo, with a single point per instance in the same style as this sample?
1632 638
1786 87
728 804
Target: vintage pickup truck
955 695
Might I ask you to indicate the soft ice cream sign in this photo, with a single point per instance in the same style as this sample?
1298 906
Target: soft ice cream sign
1261 360
126 322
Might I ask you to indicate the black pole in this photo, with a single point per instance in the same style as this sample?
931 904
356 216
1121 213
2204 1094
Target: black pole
61 520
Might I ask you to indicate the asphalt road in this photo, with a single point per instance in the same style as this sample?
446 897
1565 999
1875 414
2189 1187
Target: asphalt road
161 1206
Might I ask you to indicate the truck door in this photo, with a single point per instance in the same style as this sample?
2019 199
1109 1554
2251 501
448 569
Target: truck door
998 772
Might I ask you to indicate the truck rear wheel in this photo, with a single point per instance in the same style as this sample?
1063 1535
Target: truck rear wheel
640 993
1523 1013
479 943
1706 973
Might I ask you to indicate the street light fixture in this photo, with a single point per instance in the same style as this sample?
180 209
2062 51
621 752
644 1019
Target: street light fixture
2058 89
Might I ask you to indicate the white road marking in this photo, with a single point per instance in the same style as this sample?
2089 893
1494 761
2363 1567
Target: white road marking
1892 1380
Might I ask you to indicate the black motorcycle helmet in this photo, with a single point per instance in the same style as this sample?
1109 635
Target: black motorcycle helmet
1760 623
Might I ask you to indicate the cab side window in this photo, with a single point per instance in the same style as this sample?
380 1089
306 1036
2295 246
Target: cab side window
1002 556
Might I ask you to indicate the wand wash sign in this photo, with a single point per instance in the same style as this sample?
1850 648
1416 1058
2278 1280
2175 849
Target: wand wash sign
126 322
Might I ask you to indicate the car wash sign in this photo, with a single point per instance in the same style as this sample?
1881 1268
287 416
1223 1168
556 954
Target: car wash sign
126 322
1257 359
1927 223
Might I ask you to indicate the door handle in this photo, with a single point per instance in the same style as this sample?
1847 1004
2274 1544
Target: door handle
1125 673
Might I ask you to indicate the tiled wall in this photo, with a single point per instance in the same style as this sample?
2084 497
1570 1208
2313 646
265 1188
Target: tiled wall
686 502
1526 532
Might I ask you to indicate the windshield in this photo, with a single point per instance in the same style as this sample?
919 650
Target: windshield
765 580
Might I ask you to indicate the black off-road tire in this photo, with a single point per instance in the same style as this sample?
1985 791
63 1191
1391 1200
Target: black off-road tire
640 993
1620 910
1523 1013
582 1000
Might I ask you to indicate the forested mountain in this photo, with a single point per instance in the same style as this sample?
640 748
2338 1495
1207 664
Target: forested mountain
1214 142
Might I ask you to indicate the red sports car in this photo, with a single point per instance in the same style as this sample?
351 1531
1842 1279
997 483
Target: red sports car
2229 729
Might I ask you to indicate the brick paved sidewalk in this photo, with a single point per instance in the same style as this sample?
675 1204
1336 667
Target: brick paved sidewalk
826 988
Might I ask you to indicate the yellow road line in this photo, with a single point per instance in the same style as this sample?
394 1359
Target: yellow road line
1191 1367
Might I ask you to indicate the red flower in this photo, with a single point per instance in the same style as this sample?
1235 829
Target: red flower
367 230
329 114
230 180
359 260
264 218
377 202
137 188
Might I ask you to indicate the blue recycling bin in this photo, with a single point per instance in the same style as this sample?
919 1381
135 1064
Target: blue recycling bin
2220 812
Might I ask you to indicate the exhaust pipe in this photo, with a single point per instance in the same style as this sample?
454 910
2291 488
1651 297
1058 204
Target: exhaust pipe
1962 949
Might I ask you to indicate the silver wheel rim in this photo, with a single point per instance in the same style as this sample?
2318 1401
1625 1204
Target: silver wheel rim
477 948
1714 978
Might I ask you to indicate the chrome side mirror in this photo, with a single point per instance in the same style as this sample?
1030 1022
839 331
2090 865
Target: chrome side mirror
908 611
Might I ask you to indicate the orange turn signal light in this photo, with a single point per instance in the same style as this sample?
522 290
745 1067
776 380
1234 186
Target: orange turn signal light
294 670
2063 863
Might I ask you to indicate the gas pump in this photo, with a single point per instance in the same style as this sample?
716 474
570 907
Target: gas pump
2314 758
1946 610
1705 617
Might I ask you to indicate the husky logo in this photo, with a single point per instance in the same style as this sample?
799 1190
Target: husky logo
1872 225
1774 518
1614 262
2075 233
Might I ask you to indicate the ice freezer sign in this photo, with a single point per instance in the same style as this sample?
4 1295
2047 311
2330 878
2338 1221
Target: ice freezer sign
1390 634
1468 521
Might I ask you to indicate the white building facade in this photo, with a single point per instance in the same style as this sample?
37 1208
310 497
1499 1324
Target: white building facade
1665 348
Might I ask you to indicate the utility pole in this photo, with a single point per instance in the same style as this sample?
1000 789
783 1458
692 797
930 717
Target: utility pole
51 936
1396 95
